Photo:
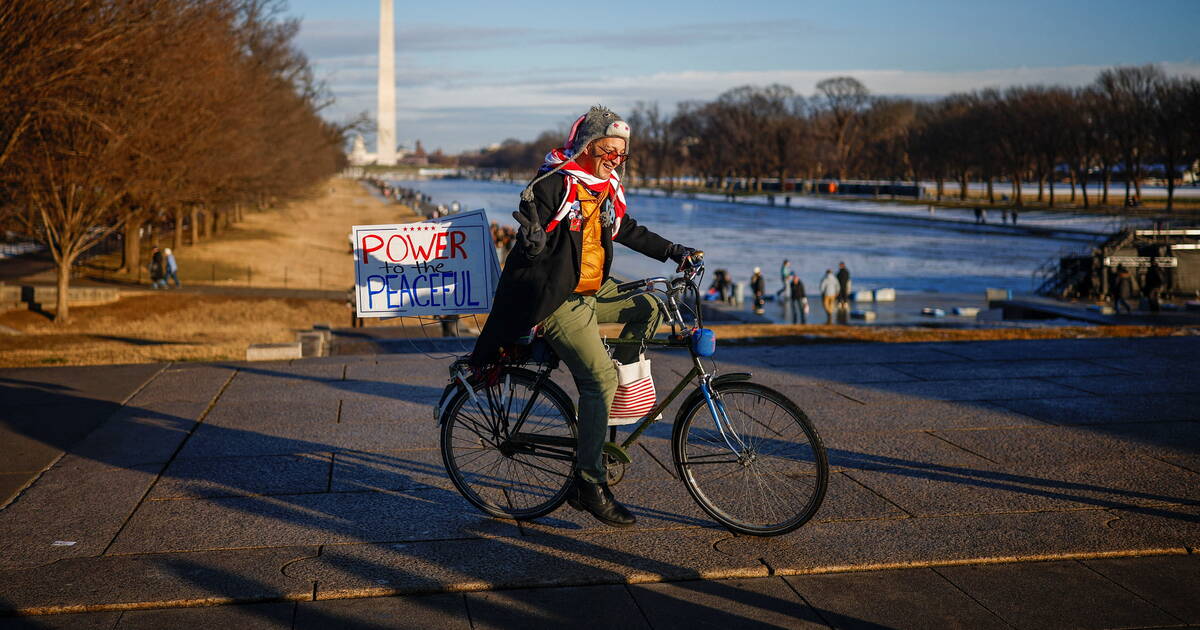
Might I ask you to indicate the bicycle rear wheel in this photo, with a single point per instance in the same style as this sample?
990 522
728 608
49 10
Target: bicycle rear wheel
765 474
510 448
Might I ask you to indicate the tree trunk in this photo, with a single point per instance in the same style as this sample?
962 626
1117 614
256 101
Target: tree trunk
1051 180
1107 182
962 187
1081 173
1042 188
195 225
1128 177
1073 189
941 186
177 241
1019 203
131 251
1170 183
1137 178
991 193
62 312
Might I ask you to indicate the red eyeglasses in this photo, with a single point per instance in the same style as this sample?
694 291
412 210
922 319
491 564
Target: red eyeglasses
611 156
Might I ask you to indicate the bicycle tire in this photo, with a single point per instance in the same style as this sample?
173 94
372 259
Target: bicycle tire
776 478
506 481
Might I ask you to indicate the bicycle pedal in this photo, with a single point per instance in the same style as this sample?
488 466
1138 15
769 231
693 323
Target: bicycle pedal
616 452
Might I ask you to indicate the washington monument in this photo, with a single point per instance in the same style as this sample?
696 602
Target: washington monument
386 136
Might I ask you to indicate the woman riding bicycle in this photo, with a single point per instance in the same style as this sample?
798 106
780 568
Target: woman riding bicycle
557 278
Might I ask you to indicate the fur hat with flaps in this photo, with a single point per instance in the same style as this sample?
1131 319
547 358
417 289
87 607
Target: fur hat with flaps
598 122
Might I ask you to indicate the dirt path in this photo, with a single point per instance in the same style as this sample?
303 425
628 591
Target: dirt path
303 245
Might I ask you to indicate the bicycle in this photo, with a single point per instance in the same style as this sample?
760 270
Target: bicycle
746 453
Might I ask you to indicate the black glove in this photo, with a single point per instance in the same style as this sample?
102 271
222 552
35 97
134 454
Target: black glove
679 253
531 234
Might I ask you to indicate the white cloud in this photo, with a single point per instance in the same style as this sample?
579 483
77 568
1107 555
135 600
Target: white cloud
469 109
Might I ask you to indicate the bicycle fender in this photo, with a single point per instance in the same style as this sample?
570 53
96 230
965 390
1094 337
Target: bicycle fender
445 398
697 395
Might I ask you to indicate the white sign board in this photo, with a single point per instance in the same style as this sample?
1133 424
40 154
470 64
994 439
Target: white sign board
443 266
1140 261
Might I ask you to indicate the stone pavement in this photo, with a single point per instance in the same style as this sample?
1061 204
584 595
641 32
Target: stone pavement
142 490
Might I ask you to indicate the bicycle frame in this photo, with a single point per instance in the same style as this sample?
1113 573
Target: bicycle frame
670 305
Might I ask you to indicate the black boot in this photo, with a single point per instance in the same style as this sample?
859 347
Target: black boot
596 499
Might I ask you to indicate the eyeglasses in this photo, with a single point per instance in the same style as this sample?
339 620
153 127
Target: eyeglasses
611 155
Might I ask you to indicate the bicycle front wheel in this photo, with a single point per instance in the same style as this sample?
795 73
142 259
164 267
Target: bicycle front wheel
509 448
761 470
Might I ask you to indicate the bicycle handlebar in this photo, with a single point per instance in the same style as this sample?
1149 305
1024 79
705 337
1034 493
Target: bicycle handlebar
672 289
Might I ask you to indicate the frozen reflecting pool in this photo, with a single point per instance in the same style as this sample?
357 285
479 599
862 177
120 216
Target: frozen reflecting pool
882 244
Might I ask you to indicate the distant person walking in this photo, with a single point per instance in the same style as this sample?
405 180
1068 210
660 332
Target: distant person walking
759 287
843 278
829 293
978 215
799 300
785 272
1152 287
1122 290
157 269
172 268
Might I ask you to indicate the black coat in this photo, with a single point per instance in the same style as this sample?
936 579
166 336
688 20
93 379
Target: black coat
1154 279
757 285
1124 287
533 287
798 290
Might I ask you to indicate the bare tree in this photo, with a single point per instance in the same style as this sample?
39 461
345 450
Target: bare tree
841 100
1130 92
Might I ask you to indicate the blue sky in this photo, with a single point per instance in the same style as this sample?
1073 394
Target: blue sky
473 73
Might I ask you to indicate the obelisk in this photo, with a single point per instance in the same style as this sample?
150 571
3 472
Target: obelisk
386 124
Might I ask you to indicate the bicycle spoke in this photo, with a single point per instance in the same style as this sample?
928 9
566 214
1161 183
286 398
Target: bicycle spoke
774 484
500 475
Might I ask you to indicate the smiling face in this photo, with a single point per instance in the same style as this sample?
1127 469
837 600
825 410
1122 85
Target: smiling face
603 156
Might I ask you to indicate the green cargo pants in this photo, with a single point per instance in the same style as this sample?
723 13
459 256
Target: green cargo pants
572 330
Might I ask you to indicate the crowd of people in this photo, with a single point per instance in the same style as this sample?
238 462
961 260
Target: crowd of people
504 237
981 215
834 290
1123 288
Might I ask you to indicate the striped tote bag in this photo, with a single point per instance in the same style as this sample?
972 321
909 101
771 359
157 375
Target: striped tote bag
635 395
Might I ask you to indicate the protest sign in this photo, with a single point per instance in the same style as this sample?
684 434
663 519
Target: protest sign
444 266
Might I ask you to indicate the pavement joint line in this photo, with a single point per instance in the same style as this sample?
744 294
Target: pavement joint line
480 585
284 573
985 560
963 448
332 467
1048 379
212 403
971 597
830 389
636 604
1117 584
16 496
38 473
876 493
1171 463
816 610
467 608
338 419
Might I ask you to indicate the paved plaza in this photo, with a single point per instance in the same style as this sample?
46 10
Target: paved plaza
1028 484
